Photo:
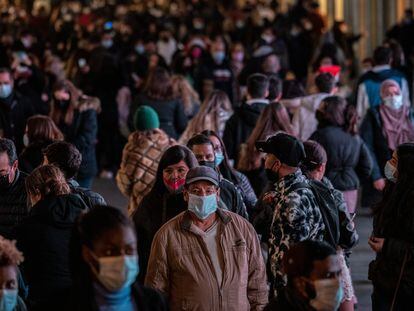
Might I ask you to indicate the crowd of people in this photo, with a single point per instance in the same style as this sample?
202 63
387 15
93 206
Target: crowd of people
245 139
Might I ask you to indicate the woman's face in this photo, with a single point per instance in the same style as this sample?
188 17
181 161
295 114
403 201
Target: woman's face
61 95
8 277
175 172
392 90
216 143
119 241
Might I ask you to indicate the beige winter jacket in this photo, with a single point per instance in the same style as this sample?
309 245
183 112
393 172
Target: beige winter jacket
180 266
140 159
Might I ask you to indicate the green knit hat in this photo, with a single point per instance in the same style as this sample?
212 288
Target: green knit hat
146 118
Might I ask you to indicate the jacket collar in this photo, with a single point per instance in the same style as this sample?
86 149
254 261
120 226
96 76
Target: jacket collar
186 221
287 181
257 101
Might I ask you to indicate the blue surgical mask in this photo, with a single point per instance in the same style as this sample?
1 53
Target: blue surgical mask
140 49
8 299
219 158
5 90
389 172
202 206
107 44
219 56
117 272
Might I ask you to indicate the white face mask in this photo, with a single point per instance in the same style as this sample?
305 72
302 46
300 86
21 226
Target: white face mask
117 272
394 101
25 140
329 294
389 172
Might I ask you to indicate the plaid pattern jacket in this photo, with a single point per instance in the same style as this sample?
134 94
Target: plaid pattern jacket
140 159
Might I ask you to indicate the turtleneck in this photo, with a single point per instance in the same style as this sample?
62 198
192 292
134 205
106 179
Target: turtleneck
113 301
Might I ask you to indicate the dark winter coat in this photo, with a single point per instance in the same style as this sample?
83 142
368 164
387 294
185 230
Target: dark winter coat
170 112
44 238
397 228
146 299
88 196
240 126
372 133
348 157
13 206
82 133
32 156
14 112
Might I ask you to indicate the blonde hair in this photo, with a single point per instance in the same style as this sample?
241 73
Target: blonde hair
217 102
47 180
9 254
183 90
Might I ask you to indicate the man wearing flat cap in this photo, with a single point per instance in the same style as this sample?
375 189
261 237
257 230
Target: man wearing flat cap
207 258
289 212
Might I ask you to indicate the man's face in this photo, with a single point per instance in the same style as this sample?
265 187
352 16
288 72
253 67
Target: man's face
201 188
326 269
218 46
271 162
6 168
5 79
204 152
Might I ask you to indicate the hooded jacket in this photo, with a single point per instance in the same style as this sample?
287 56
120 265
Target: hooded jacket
240 126
45 238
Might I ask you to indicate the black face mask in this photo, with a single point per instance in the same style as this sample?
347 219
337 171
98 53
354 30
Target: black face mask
62 104
271 175
211 164
4 182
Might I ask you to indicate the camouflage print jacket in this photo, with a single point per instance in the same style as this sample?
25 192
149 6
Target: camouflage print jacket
295 216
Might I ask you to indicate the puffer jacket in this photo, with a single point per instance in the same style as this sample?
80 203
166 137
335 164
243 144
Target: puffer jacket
304 121
139 165
180 267
349 159
13 206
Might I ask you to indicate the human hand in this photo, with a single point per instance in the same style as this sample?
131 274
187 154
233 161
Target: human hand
379 184
376 243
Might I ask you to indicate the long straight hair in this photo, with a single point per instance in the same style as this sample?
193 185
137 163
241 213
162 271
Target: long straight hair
55 112
274 118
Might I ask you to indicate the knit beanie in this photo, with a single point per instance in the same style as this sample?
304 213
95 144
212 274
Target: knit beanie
146 118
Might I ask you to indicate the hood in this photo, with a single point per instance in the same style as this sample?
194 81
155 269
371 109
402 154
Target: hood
250 113
61 211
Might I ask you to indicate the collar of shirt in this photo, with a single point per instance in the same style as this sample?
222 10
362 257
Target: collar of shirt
286 182
257 101
381 68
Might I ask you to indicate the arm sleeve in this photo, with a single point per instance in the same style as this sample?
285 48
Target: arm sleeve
365 164
157 272
125 177
362 104
257 293
367 134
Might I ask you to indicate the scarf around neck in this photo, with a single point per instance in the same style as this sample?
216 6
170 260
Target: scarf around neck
396 125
